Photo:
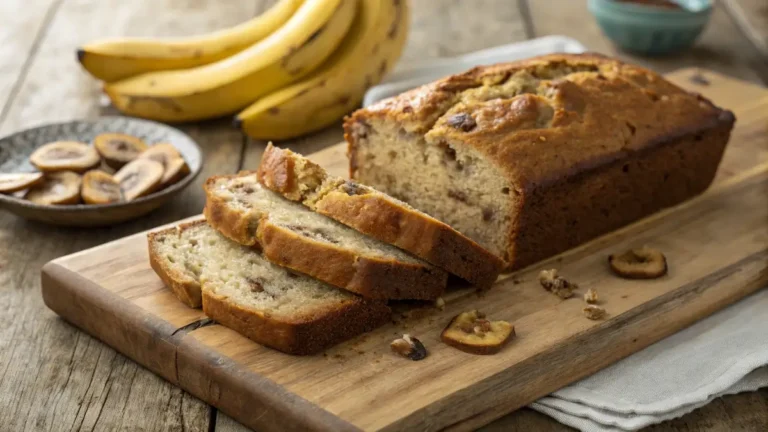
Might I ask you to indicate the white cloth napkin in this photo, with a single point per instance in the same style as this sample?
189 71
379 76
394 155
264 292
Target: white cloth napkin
723 354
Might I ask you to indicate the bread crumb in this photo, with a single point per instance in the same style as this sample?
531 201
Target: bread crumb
594 312
440 303
591 296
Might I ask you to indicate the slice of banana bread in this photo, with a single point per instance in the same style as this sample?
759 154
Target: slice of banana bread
267 303
533 157
293 236
377 215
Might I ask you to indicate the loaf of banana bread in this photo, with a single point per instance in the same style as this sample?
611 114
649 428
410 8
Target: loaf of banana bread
533 157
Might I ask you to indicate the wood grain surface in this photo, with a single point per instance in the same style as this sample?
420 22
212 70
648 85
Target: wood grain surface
52 376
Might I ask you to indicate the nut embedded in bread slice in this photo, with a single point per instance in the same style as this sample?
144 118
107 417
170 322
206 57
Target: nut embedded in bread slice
240 289
293 236
378 215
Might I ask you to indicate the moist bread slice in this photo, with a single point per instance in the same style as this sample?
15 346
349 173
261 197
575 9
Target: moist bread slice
378 215
533 157
293 236
242 290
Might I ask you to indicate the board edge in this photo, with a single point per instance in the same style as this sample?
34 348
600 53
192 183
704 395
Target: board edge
174 355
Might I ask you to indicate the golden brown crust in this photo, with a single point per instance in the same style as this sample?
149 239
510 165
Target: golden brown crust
386 219
239 227
303 335
337 265
279 171
186 289
568 129
276 172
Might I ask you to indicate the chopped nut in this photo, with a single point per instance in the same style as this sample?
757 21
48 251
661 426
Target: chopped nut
594 312
641 263
547 277
440 303
472 333
591 296
555 284
484 324
410 347
564 293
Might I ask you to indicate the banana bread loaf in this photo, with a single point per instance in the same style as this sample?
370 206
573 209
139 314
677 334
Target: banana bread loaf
533 157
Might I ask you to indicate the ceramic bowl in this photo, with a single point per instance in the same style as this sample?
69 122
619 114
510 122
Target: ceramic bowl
14 157
651 30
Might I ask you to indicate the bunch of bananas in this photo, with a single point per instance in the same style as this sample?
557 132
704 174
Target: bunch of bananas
297 68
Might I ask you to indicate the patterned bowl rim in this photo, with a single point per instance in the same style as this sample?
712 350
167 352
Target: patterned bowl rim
194 171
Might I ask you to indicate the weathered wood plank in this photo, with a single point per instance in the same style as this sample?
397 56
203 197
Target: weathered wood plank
225 423
19 33
52 376
722 47
752 17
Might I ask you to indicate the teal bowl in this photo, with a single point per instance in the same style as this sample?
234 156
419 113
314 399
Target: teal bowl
651 30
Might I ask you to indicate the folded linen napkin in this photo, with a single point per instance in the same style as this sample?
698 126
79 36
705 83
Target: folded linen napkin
723 354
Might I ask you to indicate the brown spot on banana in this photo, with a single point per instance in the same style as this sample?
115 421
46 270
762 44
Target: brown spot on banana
165 102
382 68
396 22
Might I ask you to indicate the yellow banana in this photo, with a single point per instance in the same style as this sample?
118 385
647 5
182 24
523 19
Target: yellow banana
116 59
371 48
223 87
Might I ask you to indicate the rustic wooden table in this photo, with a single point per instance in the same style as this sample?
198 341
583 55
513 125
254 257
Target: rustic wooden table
54 377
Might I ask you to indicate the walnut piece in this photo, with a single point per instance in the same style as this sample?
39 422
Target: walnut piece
594 312
641 263
472 333
555 284
410 347
591 296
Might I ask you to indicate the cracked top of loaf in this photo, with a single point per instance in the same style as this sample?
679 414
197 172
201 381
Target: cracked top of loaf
547 117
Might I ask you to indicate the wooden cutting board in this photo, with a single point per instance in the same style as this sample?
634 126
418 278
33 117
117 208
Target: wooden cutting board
716 245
